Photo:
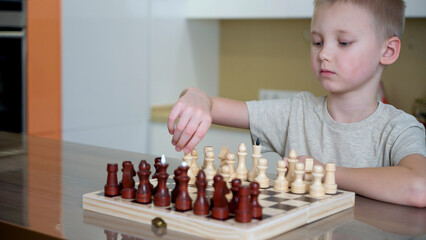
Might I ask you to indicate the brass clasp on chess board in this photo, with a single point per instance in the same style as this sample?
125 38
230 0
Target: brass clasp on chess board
159 222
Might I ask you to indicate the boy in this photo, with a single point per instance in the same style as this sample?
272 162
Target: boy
379 150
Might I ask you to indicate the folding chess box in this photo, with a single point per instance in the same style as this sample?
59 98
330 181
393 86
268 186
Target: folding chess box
282 212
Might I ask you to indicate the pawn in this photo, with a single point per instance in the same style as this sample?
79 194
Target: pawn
157 161
209 170
292 160
183 200
144 192
230 161
243 212
309 165
162 196
111 187
281 183
128 183
201 205
261 178
255 207
330 182
188 159
233 204
226 174
194 166
257 149
298 186
220 206
317 189
175 190
207 149
241 171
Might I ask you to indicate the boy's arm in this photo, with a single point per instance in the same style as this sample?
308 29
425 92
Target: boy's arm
404 184
196 112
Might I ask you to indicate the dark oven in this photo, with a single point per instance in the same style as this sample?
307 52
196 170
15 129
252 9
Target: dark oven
13 65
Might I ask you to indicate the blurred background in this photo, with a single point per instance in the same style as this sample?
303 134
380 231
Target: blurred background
106 72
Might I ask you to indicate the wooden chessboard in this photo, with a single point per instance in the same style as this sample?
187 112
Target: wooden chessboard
282 212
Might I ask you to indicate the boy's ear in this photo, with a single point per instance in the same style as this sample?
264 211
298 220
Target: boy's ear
391 49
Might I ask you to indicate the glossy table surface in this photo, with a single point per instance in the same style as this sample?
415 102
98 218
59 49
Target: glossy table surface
42 182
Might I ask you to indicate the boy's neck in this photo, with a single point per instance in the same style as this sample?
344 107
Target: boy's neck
351 108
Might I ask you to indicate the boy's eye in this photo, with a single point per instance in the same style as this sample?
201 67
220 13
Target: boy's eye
345 43
319 43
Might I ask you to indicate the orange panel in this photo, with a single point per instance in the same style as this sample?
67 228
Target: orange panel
45 186
44 68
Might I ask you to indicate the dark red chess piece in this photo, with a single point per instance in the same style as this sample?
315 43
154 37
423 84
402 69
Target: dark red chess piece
201 205
144 193
121 182
243 213
175 191
235 186
110 235
162 196
256 209
183 200
157 161
220 209
128 183
111 187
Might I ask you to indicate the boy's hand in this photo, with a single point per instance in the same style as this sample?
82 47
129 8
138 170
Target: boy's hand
193 111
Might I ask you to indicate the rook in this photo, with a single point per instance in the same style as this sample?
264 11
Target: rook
111 187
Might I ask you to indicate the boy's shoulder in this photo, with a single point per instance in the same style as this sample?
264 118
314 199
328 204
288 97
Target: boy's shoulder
397 118
310 99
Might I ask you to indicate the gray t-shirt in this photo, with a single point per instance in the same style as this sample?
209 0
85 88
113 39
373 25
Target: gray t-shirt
304 124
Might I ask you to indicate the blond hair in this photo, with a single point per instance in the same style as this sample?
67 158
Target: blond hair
388 15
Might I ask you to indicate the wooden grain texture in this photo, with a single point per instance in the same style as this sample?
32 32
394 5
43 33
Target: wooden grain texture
277 221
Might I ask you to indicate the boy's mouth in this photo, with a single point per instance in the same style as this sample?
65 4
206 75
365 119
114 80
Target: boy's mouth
326 72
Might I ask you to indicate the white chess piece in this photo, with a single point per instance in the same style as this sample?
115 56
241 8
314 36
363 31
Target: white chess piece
309 165
209 170
222 157
261 178
330 182
281 183
207 149
317 189
298 186
194 165
241 170
257 149
188 159
226 174
230 161
292 160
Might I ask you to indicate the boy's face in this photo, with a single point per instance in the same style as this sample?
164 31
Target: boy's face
345 52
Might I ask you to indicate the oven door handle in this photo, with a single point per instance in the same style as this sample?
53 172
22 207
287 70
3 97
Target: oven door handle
12 34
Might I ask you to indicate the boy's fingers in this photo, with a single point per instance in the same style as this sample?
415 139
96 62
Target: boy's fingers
285 159
198 135
174 114
183 121
187 133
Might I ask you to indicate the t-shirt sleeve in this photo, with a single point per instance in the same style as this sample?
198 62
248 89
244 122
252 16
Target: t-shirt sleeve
268 122
410 141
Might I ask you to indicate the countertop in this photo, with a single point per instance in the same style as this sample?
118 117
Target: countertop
42 182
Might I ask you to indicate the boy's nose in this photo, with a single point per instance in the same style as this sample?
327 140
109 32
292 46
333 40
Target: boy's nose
324 53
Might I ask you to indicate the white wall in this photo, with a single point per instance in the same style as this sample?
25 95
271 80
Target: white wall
183 52
105 70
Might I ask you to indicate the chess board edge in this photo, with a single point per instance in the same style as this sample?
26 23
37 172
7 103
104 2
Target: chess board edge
202 226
